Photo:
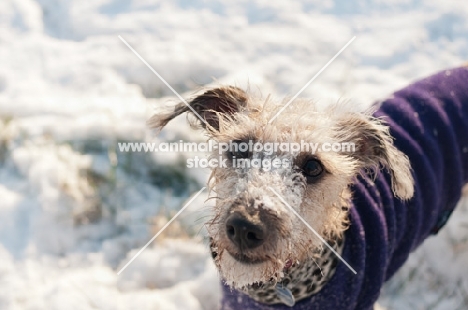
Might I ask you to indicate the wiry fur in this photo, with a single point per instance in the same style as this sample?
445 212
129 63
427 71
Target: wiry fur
232 115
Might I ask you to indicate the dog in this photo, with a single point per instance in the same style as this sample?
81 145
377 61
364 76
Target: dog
372 207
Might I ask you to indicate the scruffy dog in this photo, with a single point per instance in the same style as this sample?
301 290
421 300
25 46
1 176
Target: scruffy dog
373 206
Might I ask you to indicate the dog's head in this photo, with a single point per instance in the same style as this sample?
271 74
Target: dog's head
269 184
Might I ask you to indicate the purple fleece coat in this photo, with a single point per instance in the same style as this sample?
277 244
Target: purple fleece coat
429 121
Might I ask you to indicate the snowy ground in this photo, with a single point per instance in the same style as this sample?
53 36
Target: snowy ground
74 210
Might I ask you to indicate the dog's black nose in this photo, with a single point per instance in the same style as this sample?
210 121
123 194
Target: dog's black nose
243 233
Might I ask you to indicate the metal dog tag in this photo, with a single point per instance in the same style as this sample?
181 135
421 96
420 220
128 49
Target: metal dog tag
285 295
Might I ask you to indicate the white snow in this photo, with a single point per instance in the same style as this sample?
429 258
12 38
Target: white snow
74 209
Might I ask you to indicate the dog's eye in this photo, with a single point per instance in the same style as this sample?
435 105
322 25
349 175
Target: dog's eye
240 149
312 168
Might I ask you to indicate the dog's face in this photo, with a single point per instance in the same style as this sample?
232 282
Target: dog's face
264 193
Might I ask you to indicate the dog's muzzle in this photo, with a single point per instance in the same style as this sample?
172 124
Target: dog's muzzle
244 233
251 233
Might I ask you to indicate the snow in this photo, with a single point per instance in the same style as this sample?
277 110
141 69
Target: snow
74 209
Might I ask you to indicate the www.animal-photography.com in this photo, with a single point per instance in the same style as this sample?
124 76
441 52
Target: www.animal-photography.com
205 155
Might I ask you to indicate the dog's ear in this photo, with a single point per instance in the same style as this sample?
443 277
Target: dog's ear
374 147
207 107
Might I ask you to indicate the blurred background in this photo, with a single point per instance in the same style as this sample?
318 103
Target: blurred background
74 209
